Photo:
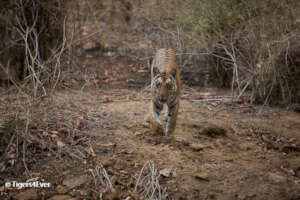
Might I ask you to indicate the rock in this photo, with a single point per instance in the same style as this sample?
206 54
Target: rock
138 133
61 189
75 181
165 172
294 164
197 147
62 197
202 176
30 194
276 178
182 140
179 139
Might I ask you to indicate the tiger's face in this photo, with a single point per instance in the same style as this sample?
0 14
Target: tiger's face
164 86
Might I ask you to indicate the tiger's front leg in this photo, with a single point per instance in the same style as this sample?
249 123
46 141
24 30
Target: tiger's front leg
155 123
172 118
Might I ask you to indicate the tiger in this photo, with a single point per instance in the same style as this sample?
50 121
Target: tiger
165 89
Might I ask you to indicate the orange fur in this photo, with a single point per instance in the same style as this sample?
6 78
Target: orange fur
165 62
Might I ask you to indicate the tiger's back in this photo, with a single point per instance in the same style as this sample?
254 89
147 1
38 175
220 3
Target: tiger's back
165 89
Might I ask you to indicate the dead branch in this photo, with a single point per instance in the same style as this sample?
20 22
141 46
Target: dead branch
147 183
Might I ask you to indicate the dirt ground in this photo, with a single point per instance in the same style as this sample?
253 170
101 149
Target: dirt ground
218 151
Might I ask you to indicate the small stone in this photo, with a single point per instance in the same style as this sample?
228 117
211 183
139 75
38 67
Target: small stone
179 139
30 194
165 172
202 176
138 133
75 181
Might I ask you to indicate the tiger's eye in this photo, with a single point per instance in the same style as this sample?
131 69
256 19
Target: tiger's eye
169 83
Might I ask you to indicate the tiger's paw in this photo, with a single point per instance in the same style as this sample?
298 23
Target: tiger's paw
157 128
168 132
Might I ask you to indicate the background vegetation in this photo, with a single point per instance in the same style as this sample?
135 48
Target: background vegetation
249 46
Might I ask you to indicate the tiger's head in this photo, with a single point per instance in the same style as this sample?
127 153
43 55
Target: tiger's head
164 85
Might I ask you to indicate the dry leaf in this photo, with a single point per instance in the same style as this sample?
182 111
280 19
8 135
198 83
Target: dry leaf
142 70
60 143
91 152
62 130
79 116
45 134
32 179
202 176
35 174
214 104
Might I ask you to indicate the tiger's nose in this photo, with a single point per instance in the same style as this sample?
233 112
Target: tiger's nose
163 98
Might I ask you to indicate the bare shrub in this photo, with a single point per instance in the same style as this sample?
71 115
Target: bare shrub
35 44
147 183
252 43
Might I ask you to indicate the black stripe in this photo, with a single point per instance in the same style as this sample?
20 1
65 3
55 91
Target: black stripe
172 110
172 101
157 105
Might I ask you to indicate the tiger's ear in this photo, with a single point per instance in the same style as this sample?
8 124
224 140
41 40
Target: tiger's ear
155 71
173 73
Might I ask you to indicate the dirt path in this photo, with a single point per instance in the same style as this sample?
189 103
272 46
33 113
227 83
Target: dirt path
225 151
